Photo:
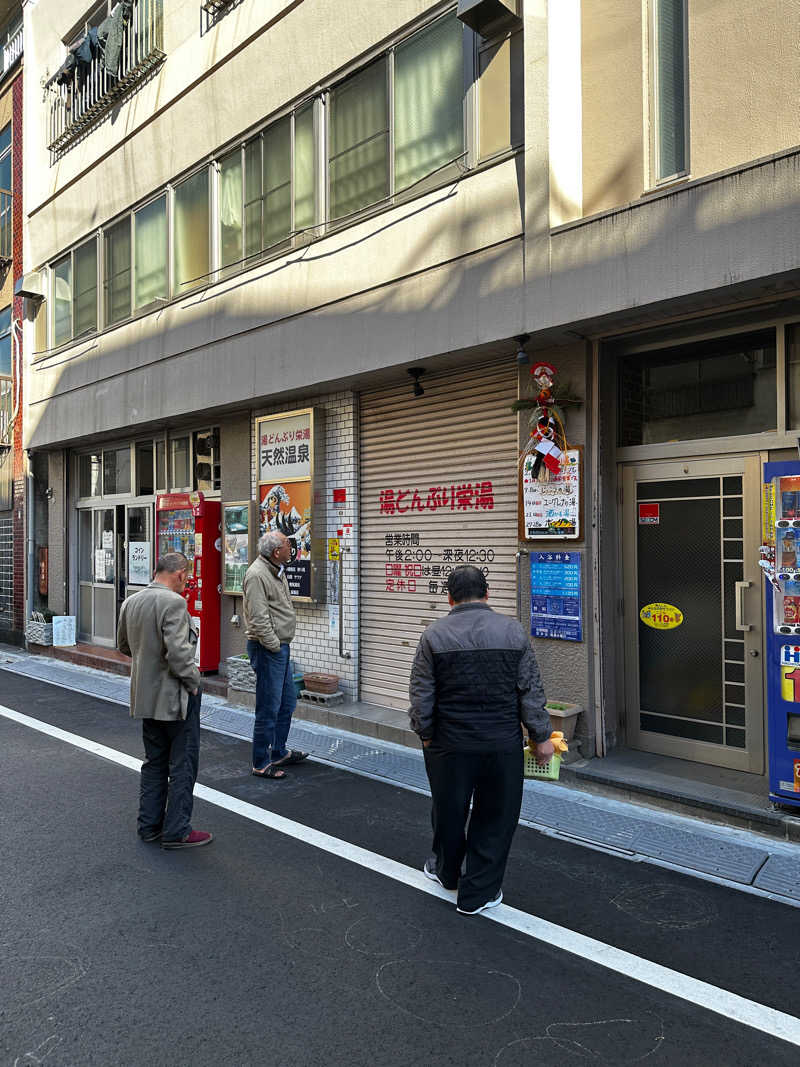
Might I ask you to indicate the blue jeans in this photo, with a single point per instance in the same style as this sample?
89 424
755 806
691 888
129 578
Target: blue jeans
169 772
275 702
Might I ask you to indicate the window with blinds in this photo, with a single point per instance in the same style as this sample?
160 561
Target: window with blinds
669 88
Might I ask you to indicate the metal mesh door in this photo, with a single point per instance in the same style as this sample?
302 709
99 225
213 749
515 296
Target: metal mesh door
692 676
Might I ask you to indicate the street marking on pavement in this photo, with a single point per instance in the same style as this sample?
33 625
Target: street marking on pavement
711 998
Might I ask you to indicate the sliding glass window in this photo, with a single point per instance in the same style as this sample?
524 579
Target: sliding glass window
669 88
84 281
230 209
428 102
268 188
62 301
358 163
117 262
305 213
277 184
151 280
75 293
191 231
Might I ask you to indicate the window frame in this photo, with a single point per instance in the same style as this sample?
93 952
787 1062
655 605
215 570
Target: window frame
654 180
166 438
158 301
8 333
469 155
204 279
54 264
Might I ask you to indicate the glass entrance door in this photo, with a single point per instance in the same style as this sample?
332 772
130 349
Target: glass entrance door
693 610
97 551
139 564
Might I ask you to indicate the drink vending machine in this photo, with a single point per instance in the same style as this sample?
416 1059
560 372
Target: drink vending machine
188 523
780 560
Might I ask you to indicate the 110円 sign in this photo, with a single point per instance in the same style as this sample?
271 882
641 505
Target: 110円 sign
552 510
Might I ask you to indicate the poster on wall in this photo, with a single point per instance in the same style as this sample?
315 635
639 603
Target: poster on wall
556 595
551 509
289 474
237 530
284 447
287 508
140 568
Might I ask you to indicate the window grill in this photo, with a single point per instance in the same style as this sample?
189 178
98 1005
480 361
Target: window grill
214 10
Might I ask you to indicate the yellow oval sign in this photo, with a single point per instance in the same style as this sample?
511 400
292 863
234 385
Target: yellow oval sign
661 616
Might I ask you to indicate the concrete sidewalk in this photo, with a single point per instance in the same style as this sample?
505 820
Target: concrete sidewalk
742 859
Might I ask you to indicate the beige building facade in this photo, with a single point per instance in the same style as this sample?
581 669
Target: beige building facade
269 207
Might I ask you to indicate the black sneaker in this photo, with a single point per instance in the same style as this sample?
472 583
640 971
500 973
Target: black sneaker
483 907
150 836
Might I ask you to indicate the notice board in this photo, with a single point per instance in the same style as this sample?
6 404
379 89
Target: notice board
556 595
553 509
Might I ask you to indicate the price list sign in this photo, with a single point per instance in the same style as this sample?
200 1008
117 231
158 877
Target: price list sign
556 595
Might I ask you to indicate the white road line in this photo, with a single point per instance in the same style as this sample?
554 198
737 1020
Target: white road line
711 998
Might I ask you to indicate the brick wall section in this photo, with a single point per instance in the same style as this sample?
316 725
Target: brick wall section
18 621
313 649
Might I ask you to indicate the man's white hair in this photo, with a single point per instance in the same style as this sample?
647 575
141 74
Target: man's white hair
269 542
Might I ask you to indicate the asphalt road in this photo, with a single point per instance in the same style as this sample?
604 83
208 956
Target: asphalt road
263 949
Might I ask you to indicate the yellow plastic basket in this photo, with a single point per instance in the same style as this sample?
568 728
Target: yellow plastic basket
548 771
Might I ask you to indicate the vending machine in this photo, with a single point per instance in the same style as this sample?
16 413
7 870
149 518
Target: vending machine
780 560
188 523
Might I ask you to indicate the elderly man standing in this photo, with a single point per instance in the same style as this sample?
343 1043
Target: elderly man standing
270 622
155 630
473 682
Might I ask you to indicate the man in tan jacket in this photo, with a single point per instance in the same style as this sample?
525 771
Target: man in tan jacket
270 624
155 630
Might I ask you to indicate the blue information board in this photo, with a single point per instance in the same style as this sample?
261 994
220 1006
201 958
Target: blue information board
556 595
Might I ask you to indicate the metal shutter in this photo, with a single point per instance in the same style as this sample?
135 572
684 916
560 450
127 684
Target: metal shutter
462 432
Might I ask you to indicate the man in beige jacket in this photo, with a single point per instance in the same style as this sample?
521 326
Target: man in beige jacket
270 624
155 630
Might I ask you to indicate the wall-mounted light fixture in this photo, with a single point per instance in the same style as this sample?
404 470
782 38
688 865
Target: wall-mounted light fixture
522 355
416 373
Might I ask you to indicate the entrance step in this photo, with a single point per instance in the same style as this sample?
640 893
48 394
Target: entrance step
369 720
722 795
112 661
101 659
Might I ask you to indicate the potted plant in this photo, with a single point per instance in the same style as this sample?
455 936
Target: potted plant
563 716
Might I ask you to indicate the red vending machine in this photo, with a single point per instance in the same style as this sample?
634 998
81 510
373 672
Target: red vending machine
188 523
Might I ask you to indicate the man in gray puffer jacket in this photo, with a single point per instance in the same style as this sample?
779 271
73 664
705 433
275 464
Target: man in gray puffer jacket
473 682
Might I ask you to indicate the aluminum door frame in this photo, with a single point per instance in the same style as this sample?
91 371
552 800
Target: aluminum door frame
749 466
93 585
148 504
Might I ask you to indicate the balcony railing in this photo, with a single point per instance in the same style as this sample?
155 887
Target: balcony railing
74 107
6 233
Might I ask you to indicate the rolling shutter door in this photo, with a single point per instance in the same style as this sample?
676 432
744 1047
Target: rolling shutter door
438 488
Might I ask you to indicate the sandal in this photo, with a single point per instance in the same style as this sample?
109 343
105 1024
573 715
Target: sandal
292 756
270 771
